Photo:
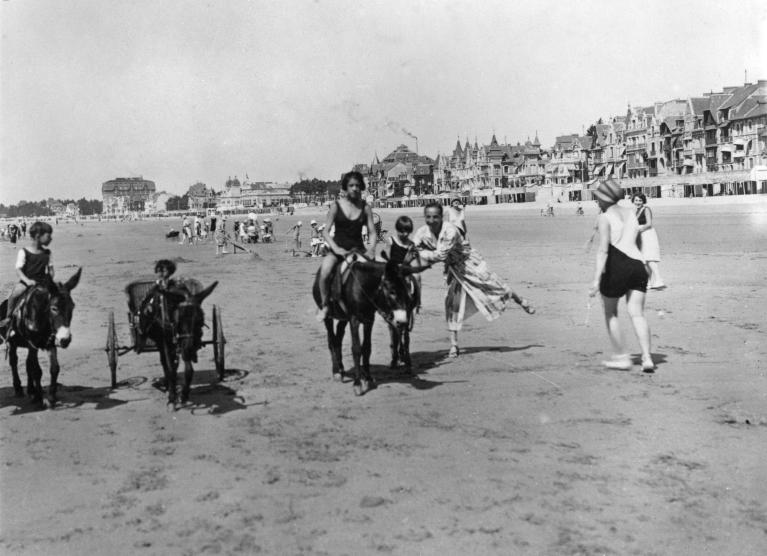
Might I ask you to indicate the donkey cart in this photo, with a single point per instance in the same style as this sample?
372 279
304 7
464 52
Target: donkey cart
136 292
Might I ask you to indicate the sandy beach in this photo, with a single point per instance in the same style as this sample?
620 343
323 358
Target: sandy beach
522 445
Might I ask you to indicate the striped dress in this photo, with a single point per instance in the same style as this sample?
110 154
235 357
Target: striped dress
471 286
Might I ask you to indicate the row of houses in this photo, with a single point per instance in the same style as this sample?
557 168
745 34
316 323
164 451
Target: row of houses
706 145
122 196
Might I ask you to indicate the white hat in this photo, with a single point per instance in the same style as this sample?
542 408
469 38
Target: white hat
299 223
313 222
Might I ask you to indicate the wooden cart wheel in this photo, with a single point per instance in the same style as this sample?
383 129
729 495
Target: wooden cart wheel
111 348
218 344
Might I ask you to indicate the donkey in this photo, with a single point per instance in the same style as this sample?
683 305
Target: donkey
40 320
370 287
174 319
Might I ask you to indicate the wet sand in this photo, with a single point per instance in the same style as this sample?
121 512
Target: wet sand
522 445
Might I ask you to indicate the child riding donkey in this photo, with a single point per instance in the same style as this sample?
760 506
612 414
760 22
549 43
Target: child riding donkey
34 265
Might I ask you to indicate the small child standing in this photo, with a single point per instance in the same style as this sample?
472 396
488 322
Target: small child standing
34 265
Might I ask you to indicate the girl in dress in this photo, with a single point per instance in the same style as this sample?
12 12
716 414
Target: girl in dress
471 286
648 240
456 215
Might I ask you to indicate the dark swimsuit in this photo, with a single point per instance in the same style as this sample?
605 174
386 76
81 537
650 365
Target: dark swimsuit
349 232
36 265
622 273
641 218
398 254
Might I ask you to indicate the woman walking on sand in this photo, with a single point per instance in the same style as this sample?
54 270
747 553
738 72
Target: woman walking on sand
620 271
471 286
648 240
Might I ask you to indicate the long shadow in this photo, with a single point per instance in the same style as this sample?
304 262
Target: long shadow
433 359
210 397
68 397
383 374
422 361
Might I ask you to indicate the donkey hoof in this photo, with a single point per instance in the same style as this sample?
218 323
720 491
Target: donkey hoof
358 391
394 363
338 377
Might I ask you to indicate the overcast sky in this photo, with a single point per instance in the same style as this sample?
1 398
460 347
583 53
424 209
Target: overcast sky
181 91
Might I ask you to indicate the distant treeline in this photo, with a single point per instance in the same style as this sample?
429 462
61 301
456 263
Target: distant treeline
29 209
315 187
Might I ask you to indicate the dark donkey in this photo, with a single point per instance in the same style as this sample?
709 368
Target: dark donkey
174 319
369 288
41 320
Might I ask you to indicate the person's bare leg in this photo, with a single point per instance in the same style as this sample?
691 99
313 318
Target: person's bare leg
620 359
655 280
635 305
326 269
454 350
524 303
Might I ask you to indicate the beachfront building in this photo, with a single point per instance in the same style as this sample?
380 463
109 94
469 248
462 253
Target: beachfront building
568 160
402 173
201 197
261 194
122 196
713 144
231 197
157 203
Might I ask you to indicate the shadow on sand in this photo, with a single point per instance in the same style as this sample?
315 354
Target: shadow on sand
210 397
68 397
423 361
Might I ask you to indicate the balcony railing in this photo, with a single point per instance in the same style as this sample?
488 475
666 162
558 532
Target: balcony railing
638 147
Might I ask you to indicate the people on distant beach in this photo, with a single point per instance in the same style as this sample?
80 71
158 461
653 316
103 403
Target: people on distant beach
648 240
347 215
186 230
620 272
34 265
316 238
221 237
13 233
471 286
296 229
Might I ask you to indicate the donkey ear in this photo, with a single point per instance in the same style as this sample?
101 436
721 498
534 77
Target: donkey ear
73 280
205 293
